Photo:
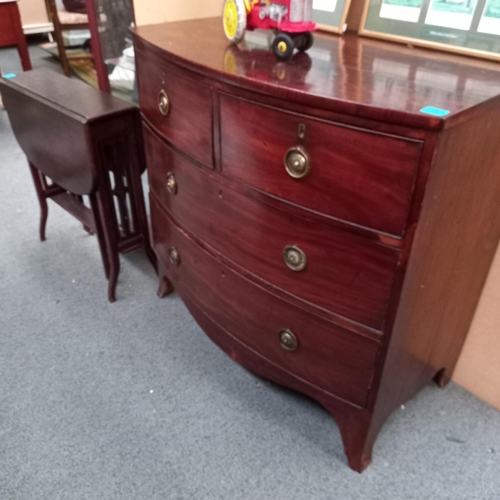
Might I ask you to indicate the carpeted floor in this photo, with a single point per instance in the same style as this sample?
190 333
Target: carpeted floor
131 401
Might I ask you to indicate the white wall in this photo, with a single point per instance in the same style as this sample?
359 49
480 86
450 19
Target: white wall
478 369
159 11
33 12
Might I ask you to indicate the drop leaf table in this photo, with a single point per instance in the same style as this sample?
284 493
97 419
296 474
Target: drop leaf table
80 141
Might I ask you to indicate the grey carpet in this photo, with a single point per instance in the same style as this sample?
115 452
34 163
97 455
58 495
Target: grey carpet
132 401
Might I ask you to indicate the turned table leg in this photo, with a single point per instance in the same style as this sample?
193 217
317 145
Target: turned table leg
42 200
100 234
113 275
107 233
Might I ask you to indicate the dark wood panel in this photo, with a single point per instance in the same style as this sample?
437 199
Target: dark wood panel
345 274
337 361
454 246
357 176
188 124
69 164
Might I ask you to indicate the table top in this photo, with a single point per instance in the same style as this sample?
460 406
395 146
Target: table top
349 74
73 96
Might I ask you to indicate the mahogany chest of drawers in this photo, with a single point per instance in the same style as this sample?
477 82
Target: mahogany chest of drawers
322 229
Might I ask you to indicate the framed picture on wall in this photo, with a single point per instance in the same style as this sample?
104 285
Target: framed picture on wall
463 26
330 15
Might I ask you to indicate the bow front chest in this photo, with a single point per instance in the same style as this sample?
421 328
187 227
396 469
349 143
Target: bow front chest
322 224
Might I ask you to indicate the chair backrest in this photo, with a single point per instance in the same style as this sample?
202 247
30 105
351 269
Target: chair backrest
53 9
64 22
78 6
57 5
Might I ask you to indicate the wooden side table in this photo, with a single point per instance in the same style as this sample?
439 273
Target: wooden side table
11 31
80 141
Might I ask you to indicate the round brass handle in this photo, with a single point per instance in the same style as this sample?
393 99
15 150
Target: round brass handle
174 256
288 340
294 258
297 162
171 183
163 103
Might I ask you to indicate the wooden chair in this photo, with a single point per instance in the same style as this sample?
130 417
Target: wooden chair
11 31
66 21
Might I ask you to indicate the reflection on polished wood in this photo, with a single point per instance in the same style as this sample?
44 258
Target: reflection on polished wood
355 283
346 74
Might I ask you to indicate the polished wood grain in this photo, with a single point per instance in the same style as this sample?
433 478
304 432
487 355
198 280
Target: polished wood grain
11 31
345 274
188 124
356 175
454 247
427 191
351 75
351 419
328 357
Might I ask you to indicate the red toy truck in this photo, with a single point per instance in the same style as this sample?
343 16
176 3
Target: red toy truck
291 20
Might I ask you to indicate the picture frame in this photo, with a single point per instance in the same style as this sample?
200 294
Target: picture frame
331 15
469 27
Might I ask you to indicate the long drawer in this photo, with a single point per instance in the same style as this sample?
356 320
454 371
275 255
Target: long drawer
317 351
358 176
178 107
336 271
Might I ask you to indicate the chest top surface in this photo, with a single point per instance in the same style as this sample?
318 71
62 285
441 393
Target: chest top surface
349 74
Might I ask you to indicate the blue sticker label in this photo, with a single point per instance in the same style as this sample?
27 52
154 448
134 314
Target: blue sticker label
431 110
9 75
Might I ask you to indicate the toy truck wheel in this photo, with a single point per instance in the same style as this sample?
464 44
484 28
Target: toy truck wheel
234 20
283 46
304 41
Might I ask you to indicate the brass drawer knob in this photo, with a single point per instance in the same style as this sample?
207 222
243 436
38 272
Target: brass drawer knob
288 340
297 162
174 256
163 103
294 258
171 183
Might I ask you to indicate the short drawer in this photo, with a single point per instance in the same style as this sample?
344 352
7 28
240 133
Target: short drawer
178 107
358 176
315 350
338 272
